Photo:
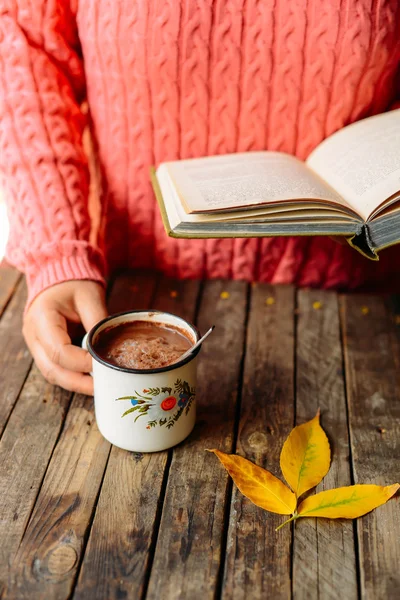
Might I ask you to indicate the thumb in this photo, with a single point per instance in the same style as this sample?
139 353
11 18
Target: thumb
91 304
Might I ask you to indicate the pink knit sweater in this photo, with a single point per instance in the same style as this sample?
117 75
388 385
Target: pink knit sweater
165 79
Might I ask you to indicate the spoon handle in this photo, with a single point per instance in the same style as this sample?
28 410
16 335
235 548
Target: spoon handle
197 344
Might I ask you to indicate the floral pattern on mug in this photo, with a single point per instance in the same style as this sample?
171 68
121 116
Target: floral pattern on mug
161 406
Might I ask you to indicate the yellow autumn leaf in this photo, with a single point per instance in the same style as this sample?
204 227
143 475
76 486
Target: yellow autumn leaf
305 456
258 485
346 502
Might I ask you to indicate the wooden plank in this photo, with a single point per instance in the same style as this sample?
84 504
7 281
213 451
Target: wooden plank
47 560
25 450
372 357
132 290
127 516
324 555
257 562
117 554
16 361
177 297
188 552
9 278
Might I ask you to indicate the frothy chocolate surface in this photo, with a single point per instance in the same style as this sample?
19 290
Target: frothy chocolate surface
141 345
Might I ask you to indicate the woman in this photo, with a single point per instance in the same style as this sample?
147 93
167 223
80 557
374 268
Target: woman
168 79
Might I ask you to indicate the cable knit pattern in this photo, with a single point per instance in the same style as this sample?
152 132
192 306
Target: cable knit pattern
169 79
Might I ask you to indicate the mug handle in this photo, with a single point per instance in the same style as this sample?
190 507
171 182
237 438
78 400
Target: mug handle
84 341
85 347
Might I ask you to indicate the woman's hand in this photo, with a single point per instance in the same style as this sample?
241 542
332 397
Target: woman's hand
46 332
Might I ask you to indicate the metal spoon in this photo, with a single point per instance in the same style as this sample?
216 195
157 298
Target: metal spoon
197 344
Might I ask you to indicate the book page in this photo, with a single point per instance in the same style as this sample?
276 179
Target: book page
235 181
362 161
309 210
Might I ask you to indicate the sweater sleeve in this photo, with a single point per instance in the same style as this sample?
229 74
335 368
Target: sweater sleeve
44 169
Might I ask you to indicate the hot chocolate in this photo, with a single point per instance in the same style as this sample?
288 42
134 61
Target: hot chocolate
142 345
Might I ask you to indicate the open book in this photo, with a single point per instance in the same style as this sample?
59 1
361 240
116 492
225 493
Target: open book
349 185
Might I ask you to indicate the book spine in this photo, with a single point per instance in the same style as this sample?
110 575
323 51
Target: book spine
362 242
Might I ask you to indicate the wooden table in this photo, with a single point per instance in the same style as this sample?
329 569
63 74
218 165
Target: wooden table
81 519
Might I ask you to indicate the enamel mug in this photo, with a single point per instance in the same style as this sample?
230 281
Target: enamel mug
144 410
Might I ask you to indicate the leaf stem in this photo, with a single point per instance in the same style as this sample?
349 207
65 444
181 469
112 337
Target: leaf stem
293 518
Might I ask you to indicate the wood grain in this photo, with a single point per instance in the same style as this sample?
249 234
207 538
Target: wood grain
188 552
62 553
132 290
257 562
47 560
324 555
9 278
25 450
166 525
127 516
372 357
15 360
177 297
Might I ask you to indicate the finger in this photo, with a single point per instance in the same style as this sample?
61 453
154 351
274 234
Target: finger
51 331
69 380
91 307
